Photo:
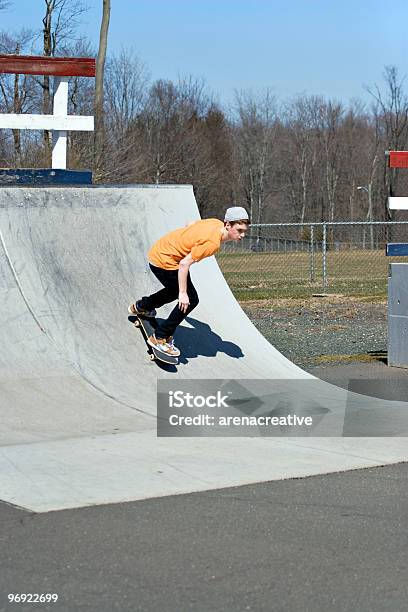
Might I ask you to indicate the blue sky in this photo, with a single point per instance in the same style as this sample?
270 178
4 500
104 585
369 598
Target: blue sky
327 47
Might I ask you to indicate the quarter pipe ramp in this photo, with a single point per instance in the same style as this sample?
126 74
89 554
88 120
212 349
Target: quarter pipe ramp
77 393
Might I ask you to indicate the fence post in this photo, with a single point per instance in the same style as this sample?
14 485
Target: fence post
372 236
312 259
324 248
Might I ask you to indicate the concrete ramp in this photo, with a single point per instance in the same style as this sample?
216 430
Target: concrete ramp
77 392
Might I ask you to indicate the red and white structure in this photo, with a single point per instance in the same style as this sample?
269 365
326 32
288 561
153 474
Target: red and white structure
59 122
398 159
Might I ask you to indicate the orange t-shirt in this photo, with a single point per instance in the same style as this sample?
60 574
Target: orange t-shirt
201 239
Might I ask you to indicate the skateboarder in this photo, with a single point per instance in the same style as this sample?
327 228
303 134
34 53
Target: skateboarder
170 259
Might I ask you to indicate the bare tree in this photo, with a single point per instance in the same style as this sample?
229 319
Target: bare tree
170 129
126 90
99 81
373 144
80 102
59 24
328 122
301 155
391 112
215 187
254 132
17 91
126 84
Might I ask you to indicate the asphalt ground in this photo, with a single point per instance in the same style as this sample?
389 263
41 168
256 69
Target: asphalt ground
336 542
373 378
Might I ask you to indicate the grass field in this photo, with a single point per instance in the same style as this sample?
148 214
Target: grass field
273 275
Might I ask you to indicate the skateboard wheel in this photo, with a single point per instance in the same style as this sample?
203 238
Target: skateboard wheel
151 356
137 323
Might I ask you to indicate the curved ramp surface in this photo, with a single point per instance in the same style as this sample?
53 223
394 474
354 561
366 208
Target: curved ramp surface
78 395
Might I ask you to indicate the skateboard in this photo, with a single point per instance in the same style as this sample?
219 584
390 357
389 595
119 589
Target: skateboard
147 327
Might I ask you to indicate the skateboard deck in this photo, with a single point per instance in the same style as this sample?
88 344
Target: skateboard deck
147 326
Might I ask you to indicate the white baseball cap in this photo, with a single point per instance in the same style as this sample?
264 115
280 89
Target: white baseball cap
236 213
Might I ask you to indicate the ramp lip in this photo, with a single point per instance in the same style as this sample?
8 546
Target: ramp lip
108 186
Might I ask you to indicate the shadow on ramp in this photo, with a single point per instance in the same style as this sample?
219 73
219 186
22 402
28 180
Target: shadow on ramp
200 341
197 341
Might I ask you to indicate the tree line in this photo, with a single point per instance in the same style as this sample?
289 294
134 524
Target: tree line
309 158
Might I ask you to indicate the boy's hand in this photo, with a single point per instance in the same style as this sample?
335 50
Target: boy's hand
184 302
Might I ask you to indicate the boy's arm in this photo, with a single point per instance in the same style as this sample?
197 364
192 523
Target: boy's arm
184 267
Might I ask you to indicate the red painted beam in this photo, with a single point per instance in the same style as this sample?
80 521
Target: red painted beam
398 159
53 66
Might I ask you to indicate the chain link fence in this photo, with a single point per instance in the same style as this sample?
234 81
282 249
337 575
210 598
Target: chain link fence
303 259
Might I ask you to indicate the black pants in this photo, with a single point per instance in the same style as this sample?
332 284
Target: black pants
169 279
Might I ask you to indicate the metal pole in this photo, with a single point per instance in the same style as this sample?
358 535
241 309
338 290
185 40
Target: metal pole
324 247
312 259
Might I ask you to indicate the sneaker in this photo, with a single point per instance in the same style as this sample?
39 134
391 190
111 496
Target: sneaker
170 342
134 309
162 345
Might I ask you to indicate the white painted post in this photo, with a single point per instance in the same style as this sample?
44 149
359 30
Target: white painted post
59 122
47 122
398 203
59 137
